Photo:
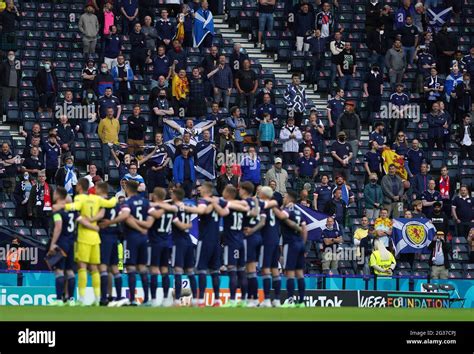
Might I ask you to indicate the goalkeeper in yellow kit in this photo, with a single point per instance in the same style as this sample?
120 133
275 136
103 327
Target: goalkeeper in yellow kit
87 246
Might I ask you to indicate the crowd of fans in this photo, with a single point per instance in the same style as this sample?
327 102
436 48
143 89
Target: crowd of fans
316 156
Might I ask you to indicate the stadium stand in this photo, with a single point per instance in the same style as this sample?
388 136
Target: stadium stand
49 33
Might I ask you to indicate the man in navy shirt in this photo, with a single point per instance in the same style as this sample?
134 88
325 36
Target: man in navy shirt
161 66
424 62
322 194
463 212
429 197
398 108
414 158
335 108
266 107
331 238
307 166
109 101
378 134
341 152
129 9
165 29
317 47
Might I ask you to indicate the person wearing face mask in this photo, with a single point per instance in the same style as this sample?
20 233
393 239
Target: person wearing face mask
123 77
10 76
89 27
378 44
373 91
46 85
21 195
341 152
67 176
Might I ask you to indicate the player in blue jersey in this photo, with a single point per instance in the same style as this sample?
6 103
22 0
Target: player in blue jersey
109 258
136 239
252 223
63 238
159 237
234 251
209 250
270 249
294 239
182 256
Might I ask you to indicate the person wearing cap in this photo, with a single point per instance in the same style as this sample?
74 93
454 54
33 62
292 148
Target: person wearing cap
290 136
278 174
440 254
184 173
439 218
89 27
349 123
341 152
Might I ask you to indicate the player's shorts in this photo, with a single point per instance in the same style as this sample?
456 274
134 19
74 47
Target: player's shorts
86 253
252 245
136 249
182 255
293 256
159 255
234 254
208 255
270 255
109 250
68 261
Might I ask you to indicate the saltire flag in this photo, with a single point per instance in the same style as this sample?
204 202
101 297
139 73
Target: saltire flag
169 133
438 16
206 160
315 222
203 26
412 235
391 157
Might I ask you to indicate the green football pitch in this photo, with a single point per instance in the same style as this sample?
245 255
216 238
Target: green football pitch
44 313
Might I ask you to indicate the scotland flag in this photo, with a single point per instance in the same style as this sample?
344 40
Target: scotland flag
196 134
438 16
194 231
412 235
315 222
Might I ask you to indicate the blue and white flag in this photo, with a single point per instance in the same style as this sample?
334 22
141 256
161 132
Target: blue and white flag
203 26
315 222
196 133
412 235
438 16
206 161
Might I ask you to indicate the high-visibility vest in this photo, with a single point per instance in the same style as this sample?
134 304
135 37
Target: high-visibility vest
13 260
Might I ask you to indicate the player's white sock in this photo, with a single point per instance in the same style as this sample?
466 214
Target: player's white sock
201 302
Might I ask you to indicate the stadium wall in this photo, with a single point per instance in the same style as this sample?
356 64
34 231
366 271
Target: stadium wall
37 288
